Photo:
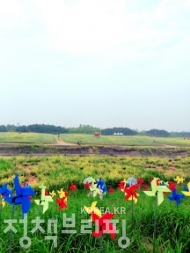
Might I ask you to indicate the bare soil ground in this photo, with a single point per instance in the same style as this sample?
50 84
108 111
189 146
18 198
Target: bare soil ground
60 142
81 150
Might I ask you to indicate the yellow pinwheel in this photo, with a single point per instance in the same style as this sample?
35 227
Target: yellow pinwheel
157 190
63 194
179 179
3 203
93 209
53 194
187 193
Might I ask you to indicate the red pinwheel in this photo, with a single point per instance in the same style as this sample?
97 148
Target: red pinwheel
130 191
62 203
104 225
121 185
111 190
73 187
150 180
172 186
25 183
87 185
46 193
140 181
146 187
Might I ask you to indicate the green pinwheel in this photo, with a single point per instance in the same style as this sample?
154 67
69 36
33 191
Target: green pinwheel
158 190
94 190
45 199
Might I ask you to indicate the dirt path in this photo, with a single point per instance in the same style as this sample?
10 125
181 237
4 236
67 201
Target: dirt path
60 142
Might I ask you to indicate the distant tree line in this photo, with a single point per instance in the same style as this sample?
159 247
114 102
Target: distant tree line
156 132
83 129
87 129
36 128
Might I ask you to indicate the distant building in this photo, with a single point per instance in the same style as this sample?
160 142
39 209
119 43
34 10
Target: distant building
118 134
96 134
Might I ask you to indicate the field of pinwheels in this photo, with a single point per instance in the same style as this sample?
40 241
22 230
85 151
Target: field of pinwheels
71 202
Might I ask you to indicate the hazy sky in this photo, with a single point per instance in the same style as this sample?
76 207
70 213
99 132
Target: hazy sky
100 62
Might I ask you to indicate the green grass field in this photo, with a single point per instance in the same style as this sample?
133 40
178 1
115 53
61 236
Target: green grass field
37 138
173 230
125 140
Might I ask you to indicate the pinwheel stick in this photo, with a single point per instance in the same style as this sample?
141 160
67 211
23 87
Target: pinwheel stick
11 232
155 224
101 243
0 211
132 214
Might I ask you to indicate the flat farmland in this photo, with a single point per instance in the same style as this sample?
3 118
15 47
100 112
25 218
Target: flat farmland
126 140
35 138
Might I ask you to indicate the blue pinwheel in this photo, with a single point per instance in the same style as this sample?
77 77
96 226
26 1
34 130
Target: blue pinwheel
185 188
101 185
22 197
5 191
176 197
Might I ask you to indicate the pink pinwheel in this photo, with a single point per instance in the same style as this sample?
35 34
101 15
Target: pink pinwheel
104 225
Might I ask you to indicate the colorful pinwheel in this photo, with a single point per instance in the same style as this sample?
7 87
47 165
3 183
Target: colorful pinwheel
179 179
101 185
44 201
131 181
93 209
176 197
122 185
62 193
52 194
145 187
87 185
2 202
89 180
104 225
130 193
5 191
172 186
94 190
62 203
157 190
73 187
22 196
187 191
140 181
111 190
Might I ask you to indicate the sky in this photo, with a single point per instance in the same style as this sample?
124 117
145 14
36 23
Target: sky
104 63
